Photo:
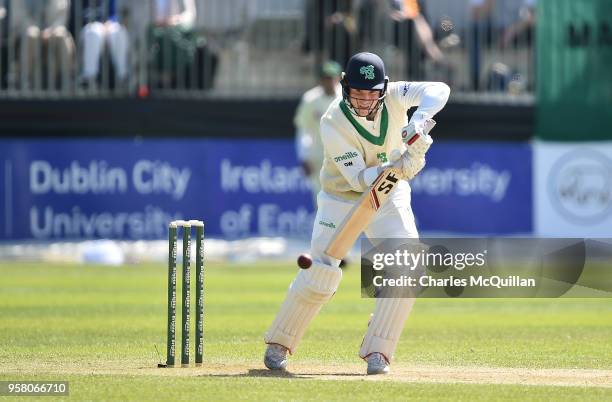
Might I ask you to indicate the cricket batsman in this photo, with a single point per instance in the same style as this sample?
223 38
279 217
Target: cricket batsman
359 132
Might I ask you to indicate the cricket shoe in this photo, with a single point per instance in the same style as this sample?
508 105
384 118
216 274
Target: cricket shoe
377 364
276 357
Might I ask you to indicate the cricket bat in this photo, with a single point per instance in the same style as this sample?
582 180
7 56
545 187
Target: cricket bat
367 206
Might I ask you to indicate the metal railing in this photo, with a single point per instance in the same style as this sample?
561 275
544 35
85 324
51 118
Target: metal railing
260 48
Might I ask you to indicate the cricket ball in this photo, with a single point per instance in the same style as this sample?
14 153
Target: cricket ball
304 261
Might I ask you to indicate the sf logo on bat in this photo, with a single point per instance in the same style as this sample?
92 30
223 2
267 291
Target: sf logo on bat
383 186
387 183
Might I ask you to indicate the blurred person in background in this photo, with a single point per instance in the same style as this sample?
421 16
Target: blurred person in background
481 35
409 32
414 36
173 40
497 24
331 30
307 118
46 47
520 35
100 28
522 26
136 17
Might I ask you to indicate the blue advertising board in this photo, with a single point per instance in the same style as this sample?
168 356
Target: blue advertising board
129 189
73 189
475 188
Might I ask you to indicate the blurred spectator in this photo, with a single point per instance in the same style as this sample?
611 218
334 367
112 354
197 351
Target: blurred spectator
136 17
331 28
410 32
520 35
522 27
415 34
312 106
481 36
44 41
497 24
174 13
100 28
173 39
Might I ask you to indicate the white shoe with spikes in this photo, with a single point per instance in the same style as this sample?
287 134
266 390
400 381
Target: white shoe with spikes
276 357
377 364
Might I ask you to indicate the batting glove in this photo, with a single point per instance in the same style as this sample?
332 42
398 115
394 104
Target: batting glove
408 165
416 136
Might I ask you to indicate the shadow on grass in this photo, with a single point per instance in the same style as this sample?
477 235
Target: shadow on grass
264 373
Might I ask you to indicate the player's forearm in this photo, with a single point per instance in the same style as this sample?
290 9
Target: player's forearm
433 97
367 176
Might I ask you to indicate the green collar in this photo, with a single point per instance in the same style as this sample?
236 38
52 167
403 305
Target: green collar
384 123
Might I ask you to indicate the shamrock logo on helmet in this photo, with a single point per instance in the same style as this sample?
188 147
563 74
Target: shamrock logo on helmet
367 71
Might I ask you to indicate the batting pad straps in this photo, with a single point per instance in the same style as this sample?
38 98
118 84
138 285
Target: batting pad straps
367 176
385 327
309 291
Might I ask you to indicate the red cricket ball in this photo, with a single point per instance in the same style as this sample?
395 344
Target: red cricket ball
304 261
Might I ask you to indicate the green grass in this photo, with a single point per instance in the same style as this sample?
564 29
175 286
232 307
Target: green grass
97 327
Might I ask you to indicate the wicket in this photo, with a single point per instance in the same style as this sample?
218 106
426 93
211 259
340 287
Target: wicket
186 292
